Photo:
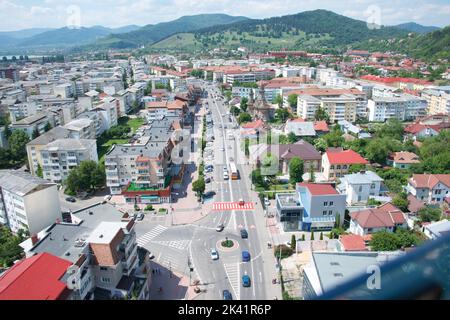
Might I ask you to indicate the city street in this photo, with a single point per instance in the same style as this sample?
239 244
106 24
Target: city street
178 248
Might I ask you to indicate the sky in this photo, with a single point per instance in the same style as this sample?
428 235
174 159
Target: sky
22 14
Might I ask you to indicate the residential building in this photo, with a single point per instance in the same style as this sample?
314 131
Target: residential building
312 207
21 201
285 152
39 277
385 217
105 260
336 162
81 128
404 107
32 123
141 171
438 101
436 229
34 146
352 242
300 128
362 186
430 188
354 130
402 159
329 270
429 126
62 155
9 73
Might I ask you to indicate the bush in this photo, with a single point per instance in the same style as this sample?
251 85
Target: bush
284 250
149 207
136 207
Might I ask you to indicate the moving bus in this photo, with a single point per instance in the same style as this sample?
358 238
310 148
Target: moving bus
234 172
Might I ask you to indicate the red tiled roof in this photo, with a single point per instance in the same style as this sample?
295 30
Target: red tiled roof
384 216
429 180
253 125
353 242
345 157
318 189
321 126
405 157
35 278
395 79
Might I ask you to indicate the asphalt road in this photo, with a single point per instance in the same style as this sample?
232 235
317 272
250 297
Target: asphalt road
177 247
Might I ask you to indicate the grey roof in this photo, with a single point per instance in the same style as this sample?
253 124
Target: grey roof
51 135
439 228
301 128
334 269
78 124
61 238
21 182
70 144
30 119
150 149
361 178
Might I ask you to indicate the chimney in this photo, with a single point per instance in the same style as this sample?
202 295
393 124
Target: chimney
34 239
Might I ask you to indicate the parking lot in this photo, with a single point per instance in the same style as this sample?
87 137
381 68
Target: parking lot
81 203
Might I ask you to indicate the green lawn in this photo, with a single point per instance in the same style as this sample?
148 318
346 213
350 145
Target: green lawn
134 124
104 148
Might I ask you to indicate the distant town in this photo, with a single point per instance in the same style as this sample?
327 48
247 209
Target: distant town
227 174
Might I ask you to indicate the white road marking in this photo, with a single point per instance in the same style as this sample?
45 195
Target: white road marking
233 274
176 244
147 237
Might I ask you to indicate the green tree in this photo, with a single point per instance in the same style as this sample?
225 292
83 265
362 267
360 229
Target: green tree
384 241
244 104
48 126
247 147
321 114
282 114
378 149
312 236
292 100
199 186
355 168
39 172
278 100
292 138
337 223
312 176
429 214
303 237
320 144
401 201
295 170
244 117
88 176
293 242
17 145
334 138
235 111
321 236
35 133
10 249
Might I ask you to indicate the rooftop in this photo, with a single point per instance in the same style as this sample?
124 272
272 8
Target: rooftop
35 278
21 182
318 189
345 157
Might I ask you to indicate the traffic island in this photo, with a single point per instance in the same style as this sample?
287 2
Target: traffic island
227 245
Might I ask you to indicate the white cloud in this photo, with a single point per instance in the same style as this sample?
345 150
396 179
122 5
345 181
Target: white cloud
52 13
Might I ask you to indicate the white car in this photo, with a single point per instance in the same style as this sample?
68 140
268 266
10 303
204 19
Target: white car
226 176
214 254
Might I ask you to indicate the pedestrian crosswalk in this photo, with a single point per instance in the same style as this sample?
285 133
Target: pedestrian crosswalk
173 261
223 206
147 237
176 244
233 275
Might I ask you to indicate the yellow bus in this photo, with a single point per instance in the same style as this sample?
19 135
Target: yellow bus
234 171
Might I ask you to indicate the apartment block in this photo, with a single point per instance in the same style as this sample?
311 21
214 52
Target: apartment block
337 161
405 107
21 201
62 155
104 260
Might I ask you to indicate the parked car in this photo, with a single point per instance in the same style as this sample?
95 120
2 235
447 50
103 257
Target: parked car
227 295
244 234
214 254
245 281
71 199
241 202
140 217
245 256
208 180
208 194
220 227
226 176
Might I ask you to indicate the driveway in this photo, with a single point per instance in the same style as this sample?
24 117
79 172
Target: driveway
80 204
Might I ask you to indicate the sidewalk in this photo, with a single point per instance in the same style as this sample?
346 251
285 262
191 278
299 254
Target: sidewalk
173 288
